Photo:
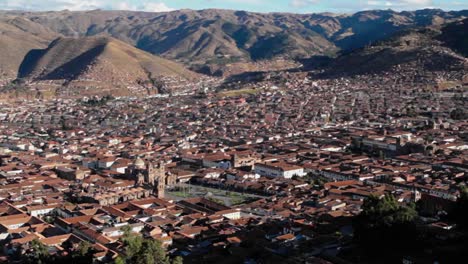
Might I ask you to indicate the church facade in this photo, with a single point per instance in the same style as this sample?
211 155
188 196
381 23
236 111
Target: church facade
151 174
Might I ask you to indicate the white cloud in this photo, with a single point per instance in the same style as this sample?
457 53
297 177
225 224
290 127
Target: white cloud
399 3
155 7
150 6
363 4
302 3
44 5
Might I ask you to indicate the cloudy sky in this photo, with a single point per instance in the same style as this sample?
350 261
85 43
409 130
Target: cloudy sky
301 6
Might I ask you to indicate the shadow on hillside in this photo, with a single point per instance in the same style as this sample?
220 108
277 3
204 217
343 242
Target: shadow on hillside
29 62
67 70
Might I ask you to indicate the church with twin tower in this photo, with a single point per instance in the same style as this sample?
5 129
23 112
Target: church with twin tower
148 173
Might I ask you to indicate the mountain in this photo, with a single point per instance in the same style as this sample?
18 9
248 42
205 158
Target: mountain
220 37
195 36
74 52
455 36
18 36
433 55
102 62
428 50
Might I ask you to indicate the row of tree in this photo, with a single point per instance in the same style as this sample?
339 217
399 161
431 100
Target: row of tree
38 253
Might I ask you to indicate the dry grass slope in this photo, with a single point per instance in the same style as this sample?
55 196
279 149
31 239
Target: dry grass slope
101 59
17 38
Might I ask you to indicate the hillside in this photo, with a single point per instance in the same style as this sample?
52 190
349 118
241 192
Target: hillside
455 36
220 37
435 49
17 37
213 36
101 62
434 55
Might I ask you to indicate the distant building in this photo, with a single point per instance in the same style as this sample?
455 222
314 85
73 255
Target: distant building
278 169
153 175
383 146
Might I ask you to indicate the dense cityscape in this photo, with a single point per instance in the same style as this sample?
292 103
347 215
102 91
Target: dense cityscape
230 175
224 136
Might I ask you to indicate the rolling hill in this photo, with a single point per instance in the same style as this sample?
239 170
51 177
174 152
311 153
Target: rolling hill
427 50
18 36
102 62
455 36
220 37
433 55
63 52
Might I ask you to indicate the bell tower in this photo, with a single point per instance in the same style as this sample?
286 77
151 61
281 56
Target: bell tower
161 187
161 178
150 173
156 177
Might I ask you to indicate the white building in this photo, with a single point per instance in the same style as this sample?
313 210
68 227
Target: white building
217 160
278 169
232 214
40 210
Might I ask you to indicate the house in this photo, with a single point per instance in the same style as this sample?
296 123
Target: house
217 160
232 214
192 232
72 173
39 210
278 169
106 163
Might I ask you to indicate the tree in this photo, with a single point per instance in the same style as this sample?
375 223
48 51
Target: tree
178 260
132 243
84 253
37 253
459 114
119 260
143 251
460 213
386 227
319 182
152 252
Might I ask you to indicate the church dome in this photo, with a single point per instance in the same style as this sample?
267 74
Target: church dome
139 163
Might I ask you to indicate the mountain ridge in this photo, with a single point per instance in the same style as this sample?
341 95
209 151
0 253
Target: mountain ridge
427 55
125 50
219 37
422 49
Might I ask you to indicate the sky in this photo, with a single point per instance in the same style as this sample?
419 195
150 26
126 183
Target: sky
294 6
